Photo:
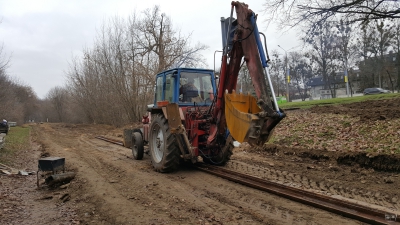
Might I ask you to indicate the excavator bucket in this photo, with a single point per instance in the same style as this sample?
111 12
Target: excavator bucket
241 118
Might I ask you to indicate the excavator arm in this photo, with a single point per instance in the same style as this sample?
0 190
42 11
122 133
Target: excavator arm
248 119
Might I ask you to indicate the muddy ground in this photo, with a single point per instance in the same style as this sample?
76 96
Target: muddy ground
315 149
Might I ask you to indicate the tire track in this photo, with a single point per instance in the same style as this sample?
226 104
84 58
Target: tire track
324 187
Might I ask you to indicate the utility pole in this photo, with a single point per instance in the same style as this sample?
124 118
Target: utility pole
287 75
346 78
396 60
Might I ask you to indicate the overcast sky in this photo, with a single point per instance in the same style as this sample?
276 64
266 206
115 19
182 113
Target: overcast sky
42 36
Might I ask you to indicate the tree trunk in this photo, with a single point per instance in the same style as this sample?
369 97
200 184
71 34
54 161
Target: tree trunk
390 79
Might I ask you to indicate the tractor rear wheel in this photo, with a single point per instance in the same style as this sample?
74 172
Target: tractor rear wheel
224 155
137 146
164 151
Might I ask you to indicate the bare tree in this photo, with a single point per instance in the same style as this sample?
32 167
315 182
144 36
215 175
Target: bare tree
4 60
157 37
323 53
114 82
397 51
6 95
6 87
375 41
293 12
366 65
301 73
244 81
346 49
57 97
382 39
19 102
278 71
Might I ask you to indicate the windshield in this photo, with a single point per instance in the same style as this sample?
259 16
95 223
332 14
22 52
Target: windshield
195 87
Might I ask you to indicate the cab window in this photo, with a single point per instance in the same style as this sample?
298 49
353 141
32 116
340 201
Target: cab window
159 88
195 87
169 87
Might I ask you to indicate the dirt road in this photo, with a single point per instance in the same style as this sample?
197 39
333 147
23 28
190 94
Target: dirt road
112 188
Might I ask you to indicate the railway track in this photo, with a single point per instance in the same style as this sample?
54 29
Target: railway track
337 206
110 140
344 208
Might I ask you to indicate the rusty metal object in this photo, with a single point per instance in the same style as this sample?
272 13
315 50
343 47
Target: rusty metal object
173 117
128 138
51 164
344 208
60 178
177 128
110 140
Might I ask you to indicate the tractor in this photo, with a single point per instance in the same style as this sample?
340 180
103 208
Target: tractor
196 116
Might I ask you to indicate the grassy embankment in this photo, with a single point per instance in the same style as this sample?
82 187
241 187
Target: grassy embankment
333 101
338 132
16 140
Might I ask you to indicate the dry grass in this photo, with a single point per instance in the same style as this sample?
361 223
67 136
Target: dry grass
16 140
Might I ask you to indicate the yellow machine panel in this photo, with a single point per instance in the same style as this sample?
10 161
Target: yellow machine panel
240 112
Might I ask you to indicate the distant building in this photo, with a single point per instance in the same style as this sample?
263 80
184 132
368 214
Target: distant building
317 85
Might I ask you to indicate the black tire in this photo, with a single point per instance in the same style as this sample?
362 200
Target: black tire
137 146
224 155
164 150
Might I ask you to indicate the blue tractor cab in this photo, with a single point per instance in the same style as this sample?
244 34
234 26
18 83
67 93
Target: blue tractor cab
185 86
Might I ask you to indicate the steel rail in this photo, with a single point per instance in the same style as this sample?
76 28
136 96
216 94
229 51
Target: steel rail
344 208
110 140
340 207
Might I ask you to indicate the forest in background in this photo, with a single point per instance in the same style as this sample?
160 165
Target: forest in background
114 80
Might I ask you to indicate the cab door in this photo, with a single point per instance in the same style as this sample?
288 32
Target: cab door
170 87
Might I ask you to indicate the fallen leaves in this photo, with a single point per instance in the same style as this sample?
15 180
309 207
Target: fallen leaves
337 132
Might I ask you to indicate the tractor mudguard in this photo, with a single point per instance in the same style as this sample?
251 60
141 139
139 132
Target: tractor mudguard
174 115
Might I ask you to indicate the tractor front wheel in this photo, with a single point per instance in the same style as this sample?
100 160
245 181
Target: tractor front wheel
163 148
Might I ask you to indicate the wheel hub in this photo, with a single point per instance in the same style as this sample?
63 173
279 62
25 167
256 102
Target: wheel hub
158 144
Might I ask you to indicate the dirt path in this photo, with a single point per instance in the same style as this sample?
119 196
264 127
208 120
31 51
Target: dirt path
21 202
112 188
